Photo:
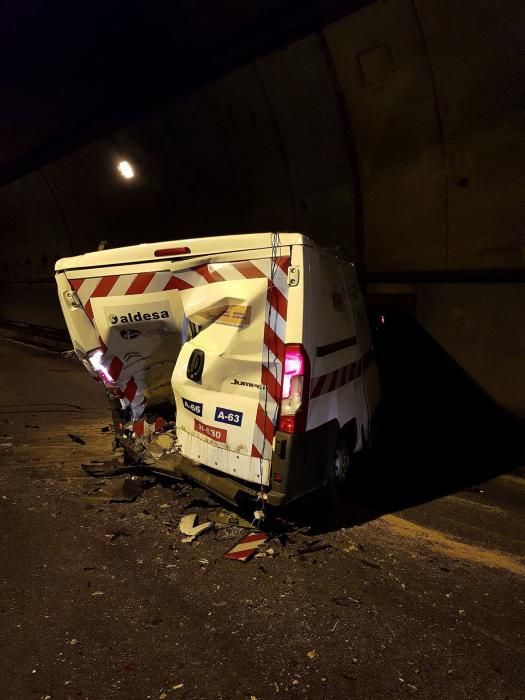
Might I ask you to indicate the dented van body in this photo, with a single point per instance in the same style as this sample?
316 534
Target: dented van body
252 352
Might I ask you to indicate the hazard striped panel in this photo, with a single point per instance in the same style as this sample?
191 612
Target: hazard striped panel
247 546
142 427
275 270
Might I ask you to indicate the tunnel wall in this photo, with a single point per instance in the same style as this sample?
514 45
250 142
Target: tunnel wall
394 133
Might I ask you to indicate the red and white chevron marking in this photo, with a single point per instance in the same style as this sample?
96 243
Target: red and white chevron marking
273 357
339 377
274 270
247 546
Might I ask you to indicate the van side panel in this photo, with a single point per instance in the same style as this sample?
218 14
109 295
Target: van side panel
336 389
369 369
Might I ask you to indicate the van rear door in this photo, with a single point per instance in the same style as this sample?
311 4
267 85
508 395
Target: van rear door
227 377
207 336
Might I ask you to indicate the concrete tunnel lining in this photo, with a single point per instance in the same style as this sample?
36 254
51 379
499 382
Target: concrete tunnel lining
397 118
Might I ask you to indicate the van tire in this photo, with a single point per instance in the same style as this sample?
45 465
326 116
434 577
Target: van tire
338 470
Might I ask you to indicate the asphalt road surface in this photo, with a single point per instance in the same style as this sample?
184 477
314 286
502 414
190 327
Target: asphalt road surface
417 588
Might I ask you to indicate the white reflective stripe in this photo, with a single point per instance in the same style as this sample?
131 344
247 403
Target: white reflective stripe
228 271
159 281
271 362
127 374
275 321
271 406
87 288
122 285
106 359
267 454
258 439
280 280
191 277
268 357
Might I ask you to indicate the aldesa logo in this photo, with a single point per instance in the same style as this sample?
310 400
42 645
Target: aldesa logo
138 316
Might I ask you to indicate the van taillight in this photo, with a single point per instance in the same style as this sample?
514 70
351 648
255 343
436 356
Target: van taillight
96 364
295 389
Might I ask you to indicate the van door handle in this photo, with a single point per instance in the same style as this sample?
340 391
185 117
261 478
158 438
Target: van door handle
195 366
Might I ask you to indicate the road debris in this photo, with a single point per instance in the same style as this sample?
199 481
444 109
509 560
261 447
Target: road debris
109 468
232 519
347 602
246 547
112 536
310 548
76 438
122 490
188 526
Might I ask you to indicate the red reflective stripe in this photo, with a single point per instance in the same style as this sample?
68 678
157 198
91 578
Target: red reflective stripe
115 368
176 283
88 309
130 390
283 262
248 269
209 274
255 452
140 282
76 284
316 391
105 286
264 423
342 376
260 419
272 340
333 381
273 386
277 300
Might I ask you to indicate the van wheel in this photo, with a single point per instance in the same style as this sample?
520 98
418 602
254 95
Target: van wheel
338 471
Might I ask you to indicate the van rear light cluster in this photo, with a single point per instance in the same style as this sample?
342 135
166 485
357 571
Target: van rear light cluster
95 360
100 372
295 389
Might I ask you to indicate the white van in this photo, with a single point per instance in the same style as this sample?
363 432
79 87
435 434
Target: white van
254 350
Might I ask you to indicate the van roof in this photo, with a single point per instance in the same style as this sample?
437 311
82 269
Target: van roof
175 249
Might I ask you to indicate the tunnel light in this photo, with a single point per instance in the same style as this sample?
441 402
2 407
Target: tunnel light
126 169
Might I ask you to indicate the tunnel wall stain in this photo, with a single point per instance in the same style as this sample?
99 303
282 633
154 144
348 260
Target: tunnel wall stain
394 133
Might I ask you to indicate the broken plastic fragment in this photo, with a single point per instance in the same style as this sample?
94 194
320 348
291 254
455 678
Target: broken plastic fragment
189 527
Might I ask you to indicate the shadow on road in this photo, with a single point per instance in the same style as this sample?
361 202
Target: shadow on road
441 432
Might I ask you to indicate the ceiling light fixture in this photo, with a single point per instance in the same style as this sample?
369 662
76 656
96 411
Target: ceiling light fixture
126 169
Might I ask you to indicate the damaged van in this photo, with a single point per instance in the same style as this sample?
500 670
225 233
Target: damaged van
242 361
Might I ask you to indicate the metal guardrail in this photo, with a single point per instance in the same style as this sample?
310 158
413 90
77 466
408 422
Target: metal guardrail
32 334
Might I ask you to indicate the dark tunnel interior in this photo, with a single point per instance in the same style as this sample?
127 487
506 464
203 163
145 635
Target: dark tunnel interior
217 480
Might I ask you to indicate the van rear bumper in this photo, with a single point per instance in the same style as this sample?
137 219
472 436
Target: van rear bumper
299 465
